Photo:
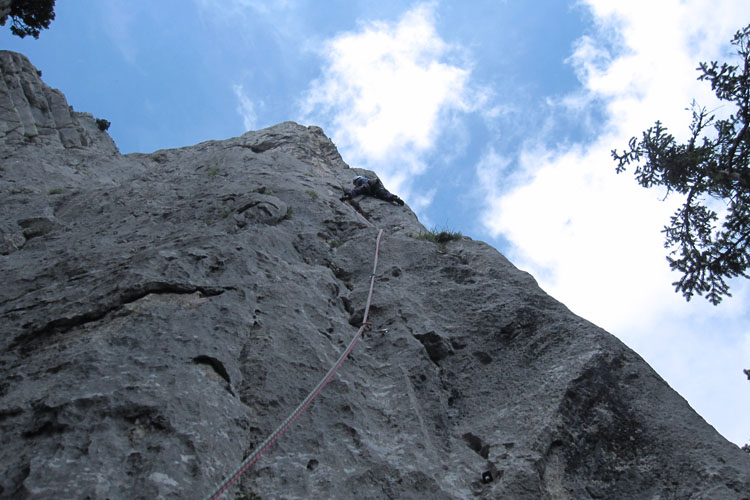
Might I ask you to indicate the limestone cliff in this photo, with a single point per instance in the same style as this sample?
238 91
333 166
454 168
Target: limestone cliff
162 313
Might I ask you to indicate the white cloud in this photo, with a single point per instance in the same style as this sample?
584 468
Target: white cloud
701 354
421 201
593 238
386 91
245 108
491 168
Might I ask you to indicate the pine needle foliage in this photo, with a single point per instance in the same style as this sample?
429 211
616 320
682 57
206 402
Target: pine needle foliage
708 237
29 17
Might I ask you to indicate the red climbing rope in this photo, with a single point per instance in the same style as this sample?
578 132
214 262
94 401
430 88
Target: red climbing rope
359 214
281 429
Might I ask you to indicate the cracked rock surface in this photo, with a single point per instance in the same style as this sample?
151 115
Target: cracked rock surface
162 313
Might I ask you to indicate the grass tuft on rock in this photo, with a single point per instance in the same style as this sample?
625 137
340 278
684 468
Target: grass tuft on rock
439 236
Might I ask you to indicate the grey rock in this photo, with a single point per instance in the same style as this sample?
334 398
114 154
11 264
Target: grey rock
11 237
257 207
32 112
164 312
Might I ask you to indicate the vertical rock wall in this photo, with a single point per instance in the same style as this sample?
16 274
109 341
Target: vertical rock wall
32 112
162 313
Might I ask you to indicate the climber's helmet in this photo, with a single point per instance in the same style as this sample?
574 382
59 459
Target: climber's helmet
359 180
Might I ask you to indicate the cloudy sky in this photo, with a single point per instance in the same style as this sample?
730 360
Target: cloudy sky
493 118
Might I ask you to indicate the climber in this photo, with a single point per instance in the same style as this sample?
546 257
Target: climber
372 187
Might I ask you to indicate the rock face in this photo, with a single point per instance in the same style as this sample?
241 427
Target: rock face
162 313
33 112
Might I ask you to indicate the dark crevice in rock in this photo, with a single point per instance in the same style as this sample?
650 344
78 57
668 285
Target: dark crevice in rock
26 341
482 357
458 344
436 346
161 287
20 473
9 413
454 396
356 317
36 226
145 416
356 206
526 321
254 203
461 275
214 363
45 422
45 428
262 147
347 302
339 273
477 445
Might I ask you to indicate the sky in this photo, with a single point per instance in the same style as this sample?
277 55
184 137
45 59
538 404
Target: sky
492 118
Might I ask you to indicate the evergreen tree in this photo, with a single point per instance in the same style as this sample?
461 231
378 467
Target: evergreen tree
709 236
29 17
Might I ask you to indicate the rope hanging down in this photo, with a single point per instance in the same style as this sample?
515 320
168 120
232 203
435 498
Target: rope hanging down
281 429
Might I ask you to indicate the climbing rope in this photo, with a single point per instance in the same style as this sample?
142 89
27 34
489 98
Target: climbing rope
363 219
355 206
281 429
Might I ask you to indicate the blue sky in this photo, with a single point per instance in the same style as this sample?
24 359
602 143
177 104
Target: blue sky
493 118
